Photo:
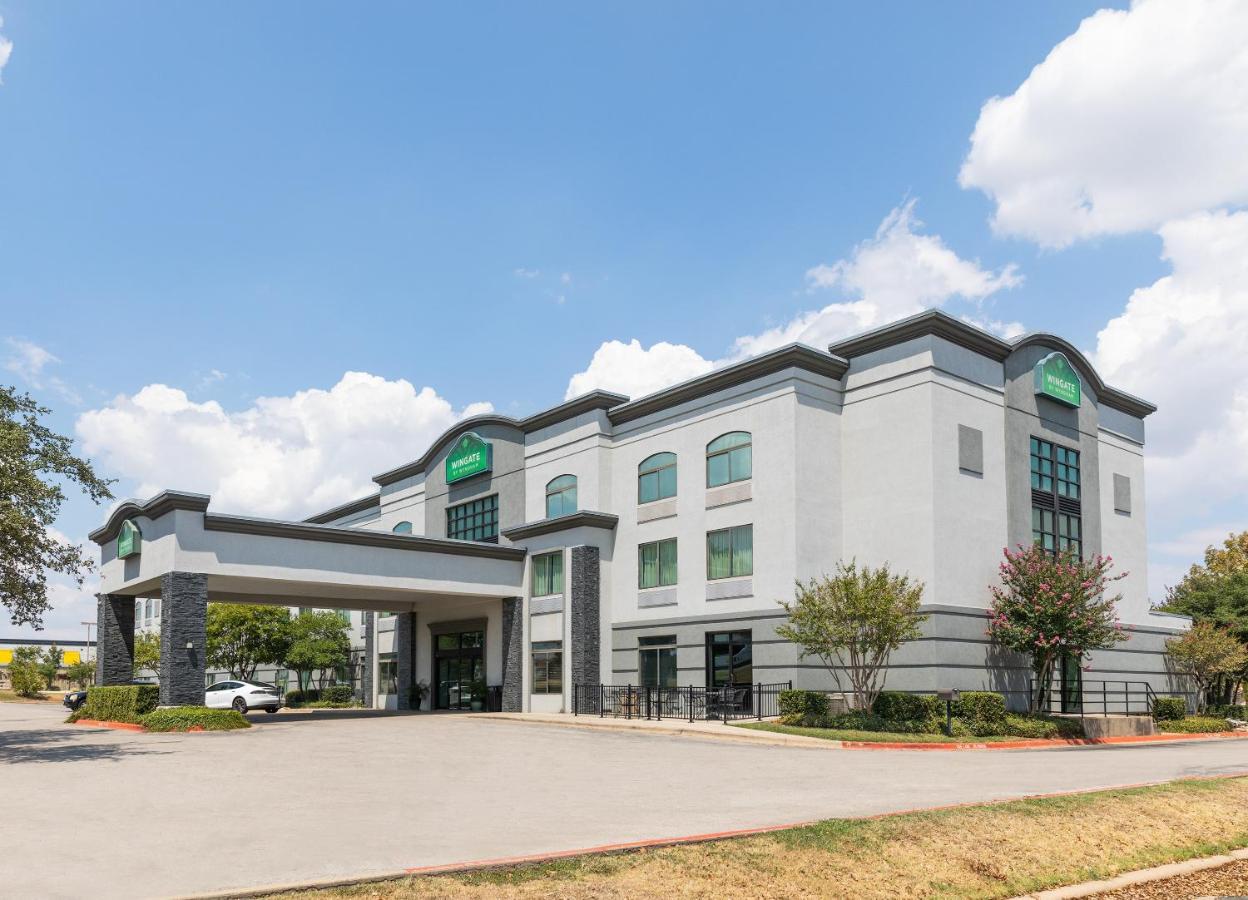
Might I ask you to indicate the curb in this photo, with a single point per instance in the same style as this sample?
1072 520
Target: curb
1048 743
1141 876
116 726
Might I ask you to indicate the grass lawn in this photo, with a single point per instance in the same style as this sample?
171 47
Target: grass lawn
10 697
999 850
848 734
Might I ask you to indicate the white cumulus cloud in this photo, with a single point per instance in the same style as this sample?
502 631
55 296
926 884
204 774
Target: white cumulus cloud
282 456
635 371
1138 118
6 50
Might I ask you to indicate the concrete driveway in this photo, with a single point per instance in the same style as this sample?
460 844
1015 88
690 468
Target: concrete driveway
117 814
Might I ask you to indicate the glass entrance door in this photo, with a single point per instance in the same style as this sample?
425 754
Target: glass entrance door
730 663
459 670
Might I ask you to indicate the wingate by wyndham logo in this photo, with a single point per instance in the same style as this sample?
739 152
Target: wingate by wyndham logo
471 456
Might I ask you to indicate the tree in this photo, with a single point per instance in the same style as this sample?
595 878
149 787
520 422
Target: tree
147 652
34 464
242 637
318 642
1049 606
24 672
50 665
81 673
1207 653
852 621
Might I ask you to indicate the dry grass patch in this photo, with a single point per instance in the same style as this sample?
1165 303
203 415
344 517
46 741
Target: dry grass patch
999 850
7 696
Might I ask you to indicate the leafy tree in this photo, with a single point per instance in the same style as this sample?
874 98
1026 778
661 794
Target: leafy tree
147 652
1049 606
49 665
852 621
24 672
81 673
243 637
318 642
34 464
1207 653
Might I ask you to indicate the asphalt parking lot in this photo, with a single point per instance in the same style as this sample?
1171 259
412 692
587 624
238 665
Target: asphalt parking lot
117 814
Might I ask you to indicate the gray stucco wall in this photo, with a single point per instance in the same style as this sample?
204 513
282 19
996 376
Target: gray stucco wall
506 479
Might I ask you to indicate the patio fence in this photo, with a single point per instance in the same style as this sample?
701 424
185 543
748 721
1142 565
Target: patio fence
690 704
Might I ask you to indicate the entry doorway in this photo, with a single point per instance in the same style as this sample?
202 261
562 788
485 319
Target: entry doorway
459 669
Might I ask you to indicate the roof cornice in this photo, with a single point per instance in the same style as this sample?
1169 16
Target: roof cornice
164 502
585 518
349 508
1106 395
790 356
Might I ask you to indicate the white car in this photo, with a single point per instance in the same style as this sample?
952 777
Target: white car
242 696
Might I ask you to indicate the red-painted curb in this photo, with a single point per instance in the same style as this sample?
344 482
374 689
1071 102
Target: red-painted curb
1041 743
119 726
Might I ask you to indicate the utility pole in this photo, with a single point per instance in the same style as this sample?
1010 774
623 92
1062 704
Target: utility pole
89 626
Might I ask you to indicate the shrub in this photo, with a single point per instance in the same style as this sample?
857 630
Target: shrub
118 703
299 698
1169 709
184 718
896 706
1196 725
1036 726
338 693
803 707
1239 711
983 711
24 672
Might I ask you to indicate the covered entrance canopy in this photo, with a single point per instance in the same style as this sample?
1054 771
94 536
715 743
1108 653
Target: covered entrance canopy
172 547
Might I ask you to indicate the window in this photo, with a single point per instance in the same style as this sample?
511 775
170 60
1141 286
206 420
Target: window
476 520
402 528
387 673
148 612
561 496
548 574
729 458
138 610
729 658
656 564
157 605
730 552
1056 507
385 615
657 661
656 478
344 616
548 667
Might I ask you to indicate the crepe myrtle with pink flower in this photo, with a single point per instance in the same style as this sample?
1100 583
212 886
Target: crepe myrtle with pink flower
1049 605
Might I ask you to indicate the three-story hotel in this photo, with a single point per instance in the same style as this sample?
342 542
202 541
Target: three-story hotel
649 541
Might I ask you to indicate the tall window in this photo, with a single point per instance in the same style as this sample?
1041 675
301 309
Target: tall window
1056 505
403 528
657 661
656 564
729 458
729 658
476 520
387 673
548 574
548 667
656 478
730 552
561 496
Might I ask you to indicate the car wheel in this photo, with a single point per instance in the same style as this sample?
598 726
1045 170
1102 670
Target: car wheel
270 709
240 705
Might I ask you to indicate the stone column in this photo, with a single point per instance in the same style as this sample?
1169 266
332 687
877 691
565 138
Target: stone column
405 659
114 649
513 654
586 623
183 611
366 679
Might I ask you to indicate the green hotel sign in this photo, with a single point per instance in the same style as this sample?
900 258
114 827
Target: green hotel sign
471 455
1056 378
129 540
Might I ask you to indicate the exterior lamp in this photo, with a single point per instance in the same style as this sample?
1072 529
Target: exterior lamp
949 696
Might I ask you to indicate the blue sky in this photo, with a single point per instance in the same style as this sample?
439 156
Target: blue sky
204 205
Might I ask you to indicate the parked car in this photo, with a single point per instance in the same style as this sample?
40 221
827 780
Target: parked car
242 696
75 699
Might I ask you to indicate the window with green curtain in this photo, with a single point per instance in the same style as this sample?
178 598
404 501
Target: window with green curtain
656 478
561 496
656 563
548 574
729 458
730 552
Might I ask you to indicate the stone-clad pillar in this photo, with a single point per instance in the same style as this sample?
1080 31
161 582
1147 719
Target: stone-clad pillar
586 624
183 611
405 659
366 677
513 654
114 649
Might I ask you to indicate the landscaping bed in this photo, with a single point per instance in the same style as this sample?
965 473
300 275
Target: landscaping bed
135 706
991 851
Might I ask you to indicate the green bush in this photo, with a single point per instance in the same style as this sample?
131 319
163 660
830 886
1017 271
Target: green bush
803 707
25 678
1032 726
184 718
1195 725
1169 709
299 698
338 693
982 711
896 706
118 703
1239 711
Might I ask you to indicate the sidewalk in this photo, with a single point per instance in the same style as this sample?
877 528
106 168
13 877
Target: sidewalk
708 730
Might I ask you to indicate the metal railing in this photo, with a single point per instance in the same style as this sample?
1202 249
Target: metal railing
1097 698
690 703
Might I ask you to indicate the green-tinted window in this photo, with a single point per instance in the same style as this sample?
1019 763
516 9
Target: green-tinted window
1041 465
387 673
1042 530
547 667
403 528
548 574
561 496
476 520
656 478
1056 492
730 552
1070 534
729 458
1067 473
657 661
656 564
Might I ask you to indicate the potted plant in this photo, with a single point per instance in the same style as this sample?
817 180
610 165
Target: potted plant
478 695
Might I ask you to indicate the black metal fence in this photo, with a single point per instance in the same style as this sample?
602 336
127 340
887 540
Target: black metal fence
1097 698
691 704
